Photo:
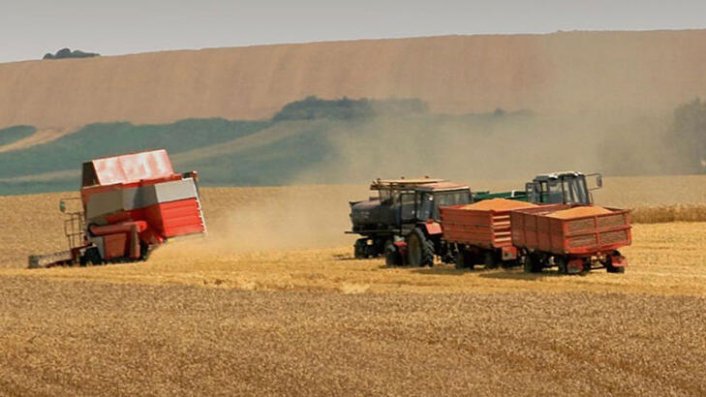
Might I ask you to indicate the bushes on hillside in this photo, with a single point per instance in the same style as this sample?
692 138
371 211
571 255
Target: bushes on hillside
67 53
312 108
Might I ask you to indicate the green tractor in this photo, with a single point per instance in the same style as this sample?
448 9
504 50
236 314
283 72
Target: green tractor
566 187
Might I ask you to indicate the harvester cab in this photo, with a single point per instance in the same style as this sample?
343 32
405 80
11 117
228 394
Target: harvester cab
568 187
128 205
399 207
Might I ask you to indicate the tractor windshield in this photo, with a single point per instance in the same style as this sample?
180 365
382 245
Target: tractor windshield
430 202
576 191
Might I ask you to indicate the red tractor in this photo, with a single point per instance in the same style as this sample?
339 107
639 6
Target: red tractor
129 205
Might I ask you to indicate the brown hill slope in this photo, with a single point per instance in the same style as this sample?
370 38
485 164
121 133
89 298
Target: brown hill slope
562 72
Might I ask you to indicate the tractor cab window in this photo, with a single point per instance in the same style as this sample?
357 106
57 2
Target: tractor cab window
426 206
577 193
446 199
430 202
407 207
554 191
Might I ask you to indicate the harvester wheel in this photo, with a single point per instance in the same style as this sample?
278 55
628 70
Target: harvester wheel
609 264
92 256
420 250
144 251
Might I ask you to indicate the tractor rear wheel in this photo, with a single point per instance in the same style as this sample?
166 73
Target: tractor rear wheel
420 250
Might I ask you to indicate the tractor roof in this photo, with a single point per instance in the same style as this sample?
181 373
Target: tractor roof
402 183
423 184
557 175
441 186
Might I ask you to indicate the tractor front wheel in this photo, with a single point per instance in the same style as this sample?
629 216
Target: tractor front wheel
420 250
393 257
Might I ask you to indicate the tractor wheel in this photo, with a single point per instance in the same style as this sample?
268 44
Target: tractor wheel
609 264
360 248
420 250
392 255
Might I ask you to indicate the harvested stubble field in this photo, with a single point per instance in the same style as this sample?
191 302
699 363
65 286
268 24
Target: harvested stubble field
271 303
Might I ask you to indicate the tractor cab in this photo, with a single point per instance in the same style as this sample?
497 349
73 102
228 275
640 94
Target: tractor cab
569 187
399 206
423 203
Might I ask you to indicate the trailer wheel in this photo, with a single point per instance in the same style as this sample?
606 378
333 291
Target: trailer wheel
464 259
562 263
609 264
532 263
489 260
420 250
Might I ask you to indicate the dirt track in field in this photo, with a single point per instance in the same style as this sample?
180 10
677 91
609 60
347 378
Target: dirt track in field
234 314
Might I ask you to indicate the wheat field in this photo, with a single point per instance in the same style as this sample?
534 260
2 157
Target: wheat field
272 303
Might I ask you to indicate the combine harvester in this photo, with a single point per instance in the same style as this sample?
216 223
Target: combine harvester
129 205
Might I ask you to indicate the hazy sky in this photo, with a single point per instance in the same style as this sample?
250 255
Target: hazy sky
30 28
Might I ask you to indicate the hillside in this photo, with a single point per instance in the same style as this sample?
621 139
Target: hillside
567 72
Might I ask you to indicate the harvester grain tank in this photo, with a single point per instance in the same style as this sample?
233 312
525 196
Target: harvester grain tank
128 205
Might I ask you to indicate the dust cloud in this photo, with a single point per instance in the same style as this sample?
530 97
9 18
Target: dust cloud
242 220
494 147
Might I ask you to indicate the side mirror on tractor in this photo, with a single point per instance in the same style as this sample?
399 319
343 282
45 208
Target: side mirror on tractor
594 181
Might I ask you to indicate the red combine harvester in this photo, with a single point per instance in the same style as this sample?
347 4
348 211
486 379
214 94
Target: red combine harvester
129 205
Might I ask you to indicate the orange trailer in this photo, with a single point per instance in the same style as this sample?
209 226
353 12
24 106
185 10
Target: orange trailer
575 239
481 232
